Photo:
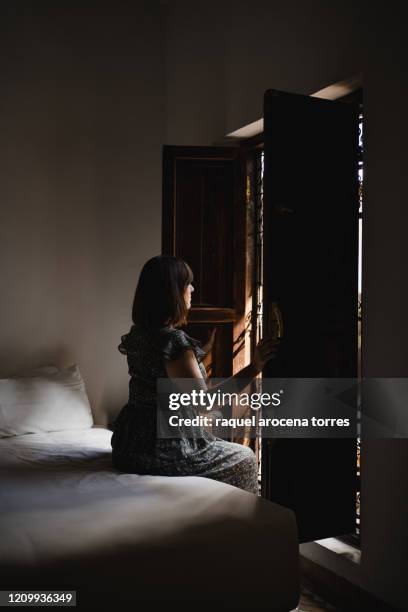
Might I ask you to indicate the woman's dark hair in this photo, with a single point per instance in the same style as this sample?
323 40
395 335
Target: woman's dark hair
159 296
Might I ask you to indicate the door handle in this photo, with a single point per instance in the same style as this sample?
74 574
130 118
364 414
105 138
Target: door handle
275 321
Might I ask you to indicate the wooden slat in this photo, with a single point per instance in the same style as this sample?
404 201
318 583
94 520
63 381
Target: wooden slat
211 315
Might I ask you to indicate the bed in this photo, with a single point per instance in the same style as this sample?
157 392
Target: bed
70 521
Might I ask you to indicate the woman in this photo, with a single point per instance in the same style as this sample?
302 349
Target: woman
156 348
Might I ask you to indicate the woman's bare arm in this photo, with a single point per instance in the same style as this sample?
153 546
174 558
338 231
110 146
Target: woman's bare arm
210 342
186 366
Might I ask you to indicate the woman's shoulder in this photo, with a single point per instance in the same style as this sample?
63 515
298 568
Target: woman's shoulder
167 342
175 341
132 341
167 337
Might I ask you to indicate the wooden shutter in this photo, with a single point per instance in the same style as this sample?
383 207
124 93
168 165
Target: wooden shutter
311 271
204 223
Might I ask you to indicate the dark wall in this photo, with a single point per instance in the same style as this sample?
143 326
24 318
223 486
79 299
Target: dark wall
81 122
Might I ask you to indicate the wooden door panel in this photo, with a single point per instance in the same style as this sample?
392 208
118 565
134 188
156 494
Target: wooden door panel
203 213
204 218
310 270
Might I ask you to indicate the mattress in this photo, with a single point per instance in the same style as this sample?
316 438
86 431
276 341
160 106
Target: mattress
69 520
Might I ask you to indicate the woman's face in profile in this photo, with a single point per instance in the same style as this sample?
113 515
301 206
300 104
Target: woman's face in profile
187 295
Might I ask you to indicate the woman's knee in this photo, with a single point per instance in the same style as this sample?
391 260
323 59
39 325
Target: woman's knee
249 456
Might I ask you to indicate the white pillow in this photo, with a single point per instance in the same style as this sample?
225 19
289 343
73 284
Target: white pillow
50 401
40 371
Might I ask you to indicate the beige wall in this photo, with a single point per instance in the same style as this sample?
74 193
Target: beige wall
81 121
86 102
221 58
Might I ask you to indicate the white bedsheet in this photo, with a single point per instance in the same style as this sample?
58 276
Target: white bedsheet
69 518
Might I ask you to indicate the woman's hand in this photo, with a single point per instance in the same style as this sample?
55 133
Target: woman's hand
265 350
209 344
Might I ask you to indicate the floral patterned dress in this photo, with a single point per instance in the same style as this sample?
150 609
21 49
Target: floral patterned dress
135 445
